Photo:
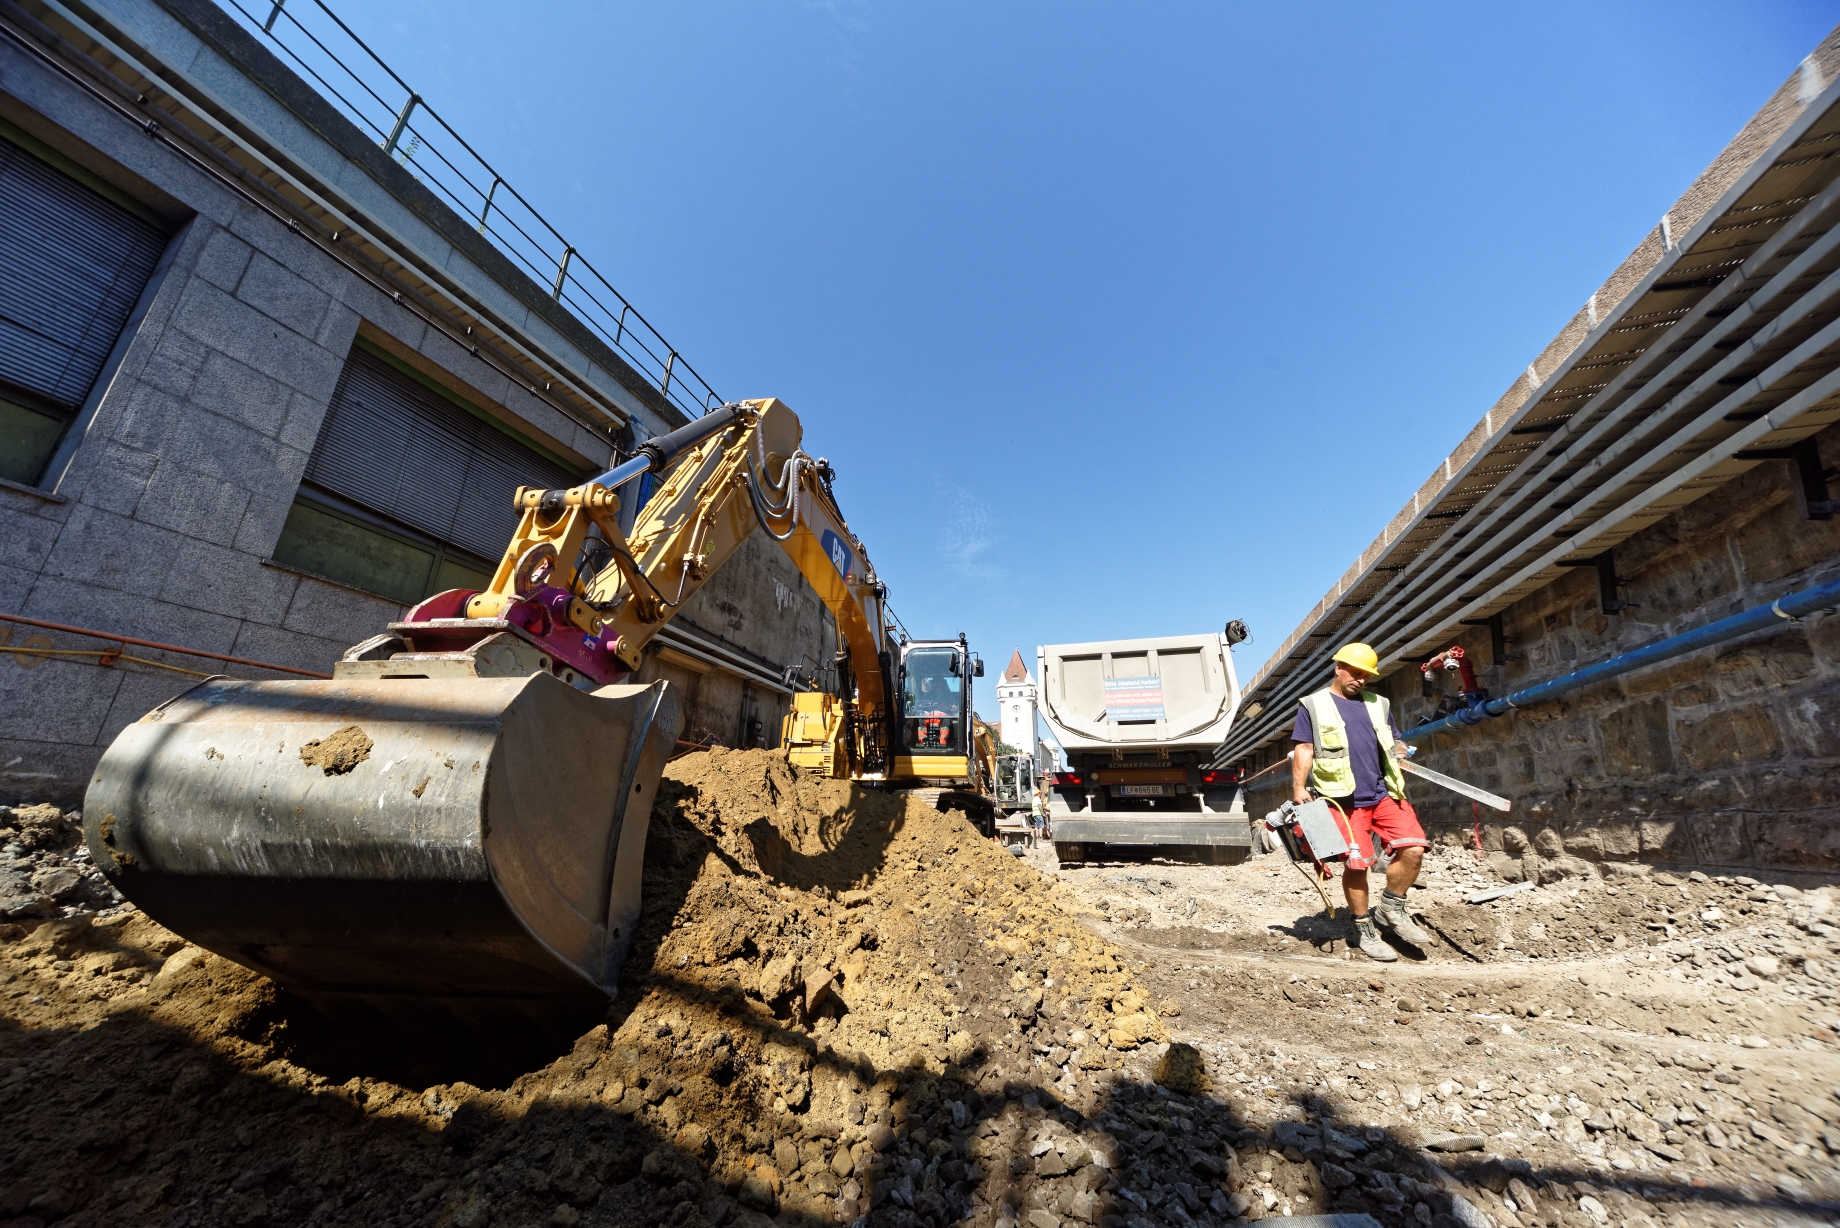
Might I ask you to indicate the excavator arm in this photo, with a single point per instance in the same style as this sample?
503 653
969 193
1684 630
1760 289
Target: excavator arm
594 596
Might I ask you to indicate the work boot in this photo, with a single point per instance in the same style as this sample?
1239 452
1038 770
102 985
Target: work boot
1367 937
1393 916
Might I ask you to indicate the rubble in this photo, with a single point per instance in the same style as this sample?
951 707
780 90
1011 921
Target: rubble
845 1006
45 869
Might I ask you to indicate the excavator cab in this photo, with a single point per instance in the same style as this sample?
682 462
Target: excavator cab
934 720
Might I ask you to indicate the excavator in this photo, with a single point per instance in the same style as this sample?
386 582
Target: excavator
455 823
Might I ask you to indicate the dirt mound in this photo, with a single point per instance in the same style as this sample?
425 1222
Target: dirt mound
840 1002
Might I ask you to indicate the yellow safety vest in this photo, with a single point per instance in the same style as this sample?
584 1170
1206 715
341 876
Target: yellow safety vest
1332 772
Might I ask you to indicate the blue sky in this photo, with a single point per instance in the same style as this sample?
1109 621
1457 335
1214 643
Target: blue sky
1115 320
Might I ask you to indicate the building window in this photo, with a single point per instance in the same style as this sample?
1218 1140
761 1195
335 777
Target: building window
327 537
75 258
409 488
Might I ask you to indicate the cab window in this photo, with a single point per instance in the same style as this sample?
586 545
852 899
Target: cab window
931 702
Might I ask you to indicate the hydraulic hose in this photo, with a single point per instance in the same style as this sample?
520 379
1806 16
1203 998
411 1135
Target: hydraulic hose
655 454
1757 618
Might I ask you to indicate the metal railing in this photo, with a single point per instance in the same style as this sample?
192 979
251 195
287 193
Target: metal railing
313 40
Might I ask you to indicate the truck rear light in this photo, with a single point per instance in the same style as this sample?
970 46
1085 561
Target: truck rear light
1227 776
1066 778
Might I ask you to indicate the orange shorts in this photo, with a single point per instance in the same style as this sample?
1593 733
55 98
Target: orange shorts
1387 825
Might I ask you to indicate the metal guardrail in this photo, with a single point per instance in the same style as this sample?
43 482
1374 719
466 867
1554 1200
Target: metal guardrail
313 38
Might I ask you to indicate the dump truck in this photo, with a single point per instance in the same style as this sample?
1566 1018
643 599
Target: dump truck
454 825
1137 720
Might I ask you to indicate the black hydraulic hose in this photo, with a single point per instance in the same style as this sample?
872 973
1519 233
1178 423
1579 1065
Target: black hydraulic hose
654 454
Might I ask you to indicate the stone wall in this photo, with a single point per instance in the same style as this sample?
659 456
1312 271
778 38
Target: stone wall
1729 757
163 525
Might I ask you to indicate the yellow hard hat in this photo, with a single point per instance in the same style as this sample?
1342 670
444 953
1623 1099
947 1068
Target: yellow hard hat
1361 657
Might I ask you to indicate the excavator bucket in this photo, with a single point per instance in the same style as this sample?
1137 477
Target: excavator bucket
467 847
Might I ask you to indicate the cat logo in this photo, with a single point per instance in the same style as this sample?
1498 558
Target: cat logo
841 557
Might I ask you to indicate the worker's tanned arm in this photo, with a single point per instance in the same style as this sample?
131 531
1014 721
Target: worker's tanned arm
1303 754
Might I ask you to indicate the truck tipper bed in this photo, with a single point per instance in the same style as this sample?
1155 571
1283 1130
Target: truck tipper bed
1137 720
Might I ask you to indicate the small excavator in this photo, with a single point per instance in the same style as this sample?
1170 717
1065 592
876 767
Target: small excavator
455 823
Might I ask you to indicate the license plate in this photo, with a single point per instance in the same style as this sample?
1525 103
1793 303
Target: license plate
1142 790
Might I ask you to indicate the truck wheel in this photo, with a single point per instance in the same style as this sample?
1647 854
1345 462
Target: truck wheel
1069 852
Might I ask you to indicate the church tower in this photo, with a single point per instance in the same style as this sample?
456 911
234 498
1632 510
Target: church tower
1016 696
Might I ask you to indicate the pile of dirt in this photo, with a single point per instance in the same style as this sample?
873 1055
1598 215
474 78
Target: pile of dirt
841 1002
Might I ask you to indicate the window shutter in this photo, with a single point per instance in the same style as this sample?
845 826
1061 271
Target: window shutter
72 265
397 447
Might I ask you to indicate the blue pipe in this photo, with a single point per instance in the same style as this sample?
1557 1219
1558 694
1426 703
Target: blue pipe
1758 618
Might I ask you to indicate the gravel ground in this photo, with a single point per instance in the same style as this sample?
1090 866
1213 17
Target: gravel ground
1638 1048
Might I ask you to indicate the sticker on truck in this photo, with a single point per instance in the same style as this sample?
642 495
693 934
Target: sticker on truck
1134 699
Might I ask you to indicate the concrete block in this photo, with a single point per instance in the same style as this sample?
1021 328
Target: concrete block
340 614
26 540
144 688
1727 738
116 476
1812 721
260 643
304 417
282 296
64 700
36 771
173 364
140 420
338 329
113 553
1664 840
380 312
1721 838
1767 662
1807 841
241 331
229 582
193 504
1636 741
1682 584
1777 543
261 527
15 587
232 451
223 259
240 393
147 618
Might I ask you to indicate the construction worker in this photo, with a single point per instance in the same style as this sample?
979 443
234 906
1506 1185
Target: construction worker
1038 816
1348 749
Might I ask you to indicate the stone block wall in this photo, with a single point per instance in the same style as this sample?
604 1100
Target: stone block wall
163 524
1727 757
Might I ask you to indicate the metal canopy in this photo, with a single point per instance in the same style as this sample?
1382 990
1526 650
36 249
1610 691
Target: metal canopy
1715 344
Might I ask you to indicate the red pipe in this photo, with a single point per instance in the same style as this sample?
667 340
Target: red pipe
188 652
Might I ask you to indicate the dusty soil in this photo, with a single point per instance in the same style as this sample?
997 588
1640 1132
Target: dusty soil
843 1005
1663 1045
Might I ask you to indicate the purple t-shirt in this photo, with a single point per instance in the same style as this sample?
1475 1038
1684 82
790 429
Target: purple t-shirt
1363 747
